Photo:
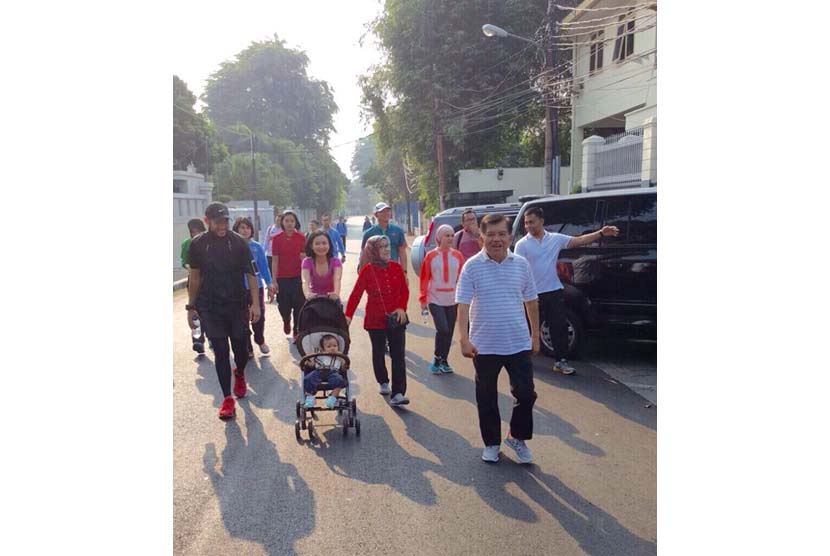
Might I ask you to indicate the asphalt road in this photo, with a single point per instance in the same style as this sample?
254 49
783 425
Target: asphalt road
413 483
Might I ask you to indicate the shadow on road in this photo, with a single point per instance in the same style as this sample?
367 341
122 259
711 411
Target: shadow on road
260 498
459 387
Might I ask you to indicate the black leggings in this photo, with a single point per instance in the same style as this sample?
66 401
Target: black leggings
258 326
222 357
397 347
290 298
444 319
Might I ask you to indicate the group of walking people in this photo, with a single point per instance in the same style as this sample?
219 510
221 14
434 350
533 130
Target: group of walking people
471 282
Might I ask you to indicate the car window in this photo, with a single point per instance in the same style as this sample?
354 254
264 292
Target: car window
616 214
643 223
572 218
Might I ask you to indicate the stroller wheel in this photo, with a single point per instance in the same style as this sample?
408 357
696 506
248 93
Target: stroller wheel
297 431
310 430
345 426
302 424
356 426
299 405
353 408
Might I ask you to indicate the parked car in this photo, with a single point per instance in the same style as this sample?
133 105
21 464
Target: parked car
452 216
610 284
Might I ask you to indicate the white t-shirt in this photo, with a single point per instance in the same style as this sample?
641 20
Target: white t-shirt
542 255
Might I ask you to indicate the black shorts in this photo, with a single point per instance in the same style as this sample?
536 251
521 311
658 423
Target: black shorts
225 321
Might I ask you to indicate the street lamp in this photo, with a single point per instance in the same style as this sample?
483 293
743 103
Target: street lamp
551 114
253 180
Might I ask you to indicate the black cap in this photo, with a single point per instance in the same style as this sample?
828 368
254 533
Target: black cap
215 211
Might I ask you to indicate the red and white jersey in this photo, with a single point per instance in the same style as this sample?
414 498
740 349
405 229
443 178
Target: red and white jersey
439 276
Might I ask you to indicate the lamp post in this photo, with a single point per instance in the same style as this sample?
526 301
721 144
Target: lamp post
253 180
551 113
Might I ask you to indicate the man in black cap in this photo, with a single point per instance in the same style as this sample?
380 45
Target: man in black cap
219 260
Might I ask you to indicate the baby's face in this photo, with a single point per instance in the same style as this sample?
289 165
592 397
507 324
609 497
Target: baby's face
330 346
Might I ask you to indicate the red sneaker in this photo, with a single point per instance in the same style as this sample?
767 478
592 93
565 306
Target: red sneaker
286 327
240 387
228 409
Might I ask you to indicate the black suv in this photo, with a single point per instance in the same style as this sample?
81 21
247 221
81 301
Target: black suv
610 284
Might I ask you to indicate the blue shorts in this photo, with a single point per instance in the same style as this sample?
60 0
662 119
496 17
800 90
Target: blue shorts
313 379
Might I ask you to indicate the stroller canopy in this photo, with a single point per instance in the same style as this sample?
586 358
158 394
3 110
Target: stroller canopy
318 317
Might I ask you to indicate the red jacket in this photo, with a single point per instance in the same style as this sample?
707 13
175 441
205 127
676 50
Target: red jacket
393 289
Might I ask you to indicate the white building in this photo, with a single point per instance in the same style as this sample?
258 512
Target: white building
191 195
522 181
614 120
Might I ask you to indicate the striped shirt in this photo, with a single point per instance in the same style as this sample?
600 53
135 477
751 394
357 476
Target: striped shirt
496 293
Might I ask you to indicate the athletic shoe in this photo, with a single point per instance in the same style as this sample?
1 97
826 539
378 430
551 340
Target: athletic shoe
490 453
309 402
240 387
228 409
251 354
435 367
445 367
331 401
286 327
384 389
199 347
264 349
563 367
399 399
522 451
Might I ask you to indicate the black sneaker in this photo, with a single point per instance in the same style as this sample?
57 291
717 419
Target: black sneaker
199 347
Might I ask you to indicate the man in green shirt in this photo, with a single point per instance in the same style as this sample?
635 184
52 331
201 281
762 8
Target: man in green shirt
196 227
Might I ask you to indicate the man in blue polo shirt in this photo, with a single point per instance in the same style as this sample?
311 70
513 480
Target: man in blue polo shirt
541 249
397 239
337 247
494 291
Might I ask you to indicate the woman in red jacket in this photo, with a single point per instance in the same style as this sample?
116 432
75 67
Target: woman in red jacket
385 284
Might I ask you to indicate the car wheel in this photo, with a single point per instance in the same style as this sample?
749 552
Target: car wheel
576 335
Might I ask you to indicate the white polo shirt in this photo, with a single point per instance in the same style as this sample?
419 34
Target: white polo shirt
496 293
542 255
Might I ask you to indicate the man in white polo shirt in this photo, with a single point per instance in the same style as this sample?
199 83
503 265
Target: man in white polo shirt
494 290
541 249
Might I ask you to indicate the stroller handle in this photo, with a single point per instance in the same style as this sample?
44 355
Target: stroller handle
342 356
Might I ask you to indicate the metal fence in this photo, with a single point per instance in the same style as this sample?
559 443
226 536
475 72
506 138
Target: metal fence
620 160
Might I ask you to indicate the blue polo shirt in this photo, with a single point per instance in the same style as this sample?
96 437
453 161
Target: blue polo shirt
496 293
393 232
336 242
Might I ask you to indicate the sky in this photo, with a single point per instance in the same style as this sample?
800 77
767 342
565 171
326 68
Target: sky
328 31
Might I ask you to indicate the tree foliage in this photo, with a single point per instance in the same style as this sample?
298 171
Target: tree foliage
264 95
489 105
193 134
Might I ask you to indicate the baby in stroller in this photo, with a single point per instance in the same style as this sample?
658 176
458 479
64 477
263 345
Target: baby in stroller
325 369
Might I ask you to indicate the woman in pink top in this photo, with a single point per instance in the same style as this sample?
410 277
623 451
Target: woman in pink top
439 276
321 270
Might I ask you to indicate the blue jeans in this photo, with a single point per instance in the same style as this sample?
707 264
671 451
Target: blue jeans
313 379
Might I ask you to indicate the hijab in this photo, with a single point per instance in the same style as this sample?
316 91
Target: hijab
371 251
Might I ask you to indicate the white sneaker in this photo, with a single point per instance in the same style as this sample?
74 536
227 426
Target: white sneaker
522 451
384 389
562 366
399 399
490 453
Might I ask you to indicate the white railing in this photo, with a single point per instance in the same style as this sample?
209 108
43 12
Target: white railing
619 161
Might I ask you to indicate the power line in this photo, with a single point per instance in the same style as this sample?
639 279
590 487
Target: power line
573 9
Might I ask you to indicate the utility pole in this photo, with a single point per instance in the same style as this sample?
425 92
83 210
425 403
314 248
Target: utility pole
253 189
551 111
439 147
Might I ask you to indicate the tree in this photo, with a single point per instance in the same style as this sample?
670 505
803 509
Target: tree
442 75
233 178
193 134
266 87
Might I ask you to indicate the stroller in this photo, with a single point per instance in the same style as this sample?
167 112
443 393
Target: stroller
318 317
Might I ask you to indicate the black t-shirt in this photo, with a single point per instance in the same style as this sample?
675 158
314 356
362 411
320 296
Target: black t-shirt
223 263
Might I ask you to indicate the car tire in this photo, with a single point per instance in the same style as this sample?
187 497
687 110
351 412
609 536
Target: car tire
576 336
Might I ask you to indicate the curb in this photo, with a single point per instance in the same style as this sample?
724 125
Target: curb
180 284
